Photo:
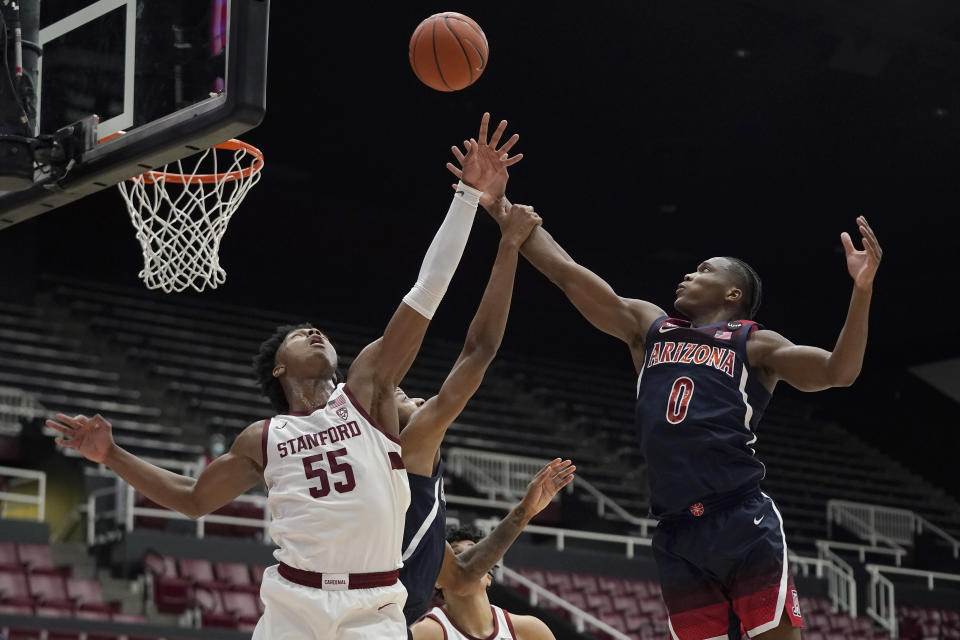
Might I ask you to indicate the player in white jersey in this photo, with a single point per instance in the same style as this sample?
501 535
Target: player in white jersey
470 616
337 490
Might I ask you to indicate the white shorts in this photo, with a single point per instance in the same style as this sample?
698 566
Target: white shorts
295 612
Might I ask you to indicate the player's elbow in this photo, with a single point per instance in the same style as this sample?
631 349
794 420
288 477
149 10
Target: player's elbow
481 350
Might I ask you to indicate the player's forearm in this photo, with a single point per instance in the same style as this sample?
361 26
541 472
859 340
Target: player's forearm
487 328
846 360
548 257
481 558
443 254
164 487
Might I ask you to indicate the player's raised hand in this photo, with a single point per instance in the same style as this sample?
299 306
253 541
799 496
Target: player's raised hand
91 437
493 192
862 264
517 223
555 475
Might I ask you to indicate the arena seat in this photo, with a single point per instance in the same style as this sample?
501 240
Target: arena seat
236 576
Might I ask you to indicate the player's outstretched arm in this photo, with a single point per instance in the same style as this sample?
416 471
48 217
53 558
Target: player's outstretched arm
811 368
625 318
379 368
228 476
422 437
459 573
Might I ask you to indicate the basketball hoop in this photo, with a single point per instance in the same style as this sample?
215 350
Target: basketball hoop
181 214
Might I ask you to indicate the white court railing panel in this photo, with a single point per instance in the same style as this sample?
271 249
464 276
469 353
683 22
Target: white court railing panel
24 476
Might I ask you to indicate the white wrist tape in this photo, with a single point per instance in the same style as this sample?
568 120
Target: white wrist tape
443 255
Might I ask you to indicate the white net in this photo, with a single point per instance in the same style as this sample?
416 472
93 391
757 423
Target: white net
181 211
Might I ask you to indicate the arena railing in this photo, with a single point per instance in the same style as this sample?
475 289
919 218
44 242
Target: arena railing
862 550
890 525
882 591
561 535
841 583
580 618
502 475
17 405
40 499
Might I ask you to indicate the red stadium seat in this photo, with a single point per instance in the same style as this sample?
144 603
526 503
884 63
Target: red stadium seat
37 559
236 576
14 589
243 606
637 622
212 612
616 621
613 586
557 580
87 595
599 604
25 634
49 591
627 605
637 587
9 560
585 582
200 573
171 594
256 572
839 622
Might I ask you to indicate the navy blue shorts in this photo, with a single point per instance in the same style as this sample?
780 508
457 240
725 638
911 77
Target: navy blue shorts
727 565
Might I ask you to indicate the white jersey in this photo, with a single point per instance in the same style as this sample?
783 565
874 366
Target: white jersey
503 627
336 489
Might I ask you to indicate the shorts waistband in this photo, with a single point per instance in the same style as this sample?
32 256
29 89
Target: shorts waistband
338 581
710 505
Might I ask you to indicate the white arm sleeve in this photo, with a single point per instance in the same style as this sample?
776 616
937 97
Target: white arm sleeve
444 253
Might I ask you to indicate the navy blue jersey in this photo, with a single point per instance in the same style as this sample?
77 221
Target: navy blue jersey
424 541
698 405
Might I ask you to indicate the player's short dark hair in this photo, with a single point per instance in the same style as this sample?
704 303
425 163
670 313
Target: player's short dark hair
464 532
749 283
265 361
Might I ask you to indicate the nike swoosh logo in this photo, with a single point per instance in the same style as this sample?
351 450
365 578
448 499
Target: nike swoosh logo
460 193
282 425
759 520
665 329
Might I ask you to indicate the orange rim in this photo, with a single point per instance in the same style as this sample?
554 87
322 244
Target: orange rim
150 177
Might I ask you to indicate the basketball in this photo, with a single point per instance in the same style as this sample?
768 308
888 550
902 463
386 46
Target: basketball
448 51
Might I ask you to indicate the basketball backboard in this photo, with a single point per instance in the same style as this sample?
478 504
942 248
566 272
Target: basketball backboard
174 76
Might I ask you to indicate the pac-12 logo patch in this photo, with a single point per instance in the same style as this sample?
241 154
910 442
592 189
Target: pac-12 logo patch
733 325
343 413
697 509
796 603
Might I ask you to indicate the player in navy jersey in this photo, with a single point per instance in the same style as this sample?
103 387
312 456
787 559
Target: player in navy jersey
428 559
703 383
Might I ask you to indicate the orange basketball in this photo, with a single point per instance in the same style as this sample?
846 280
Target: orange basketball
448 51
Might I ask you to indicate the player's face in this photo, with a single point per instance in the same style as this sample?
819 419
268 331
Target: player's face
708 287
307 353
462 545
406 406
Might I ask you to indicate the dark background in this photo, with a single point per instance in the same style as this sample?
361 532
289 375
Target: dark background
655 135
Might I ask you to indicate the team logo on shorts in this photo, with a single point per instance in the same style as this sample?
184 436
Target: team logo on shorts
697 509
343 413
796 603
